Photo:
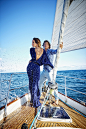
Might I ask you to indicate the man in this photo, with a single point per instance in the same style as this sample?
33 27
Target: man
47 70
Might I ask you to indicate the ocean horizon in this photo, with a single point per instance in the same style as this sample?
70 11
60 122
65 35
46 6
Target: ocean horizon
40 71
75 80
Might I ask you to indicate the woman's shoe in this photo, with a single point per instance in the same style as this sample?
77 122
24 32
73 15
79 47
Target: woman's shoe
31 102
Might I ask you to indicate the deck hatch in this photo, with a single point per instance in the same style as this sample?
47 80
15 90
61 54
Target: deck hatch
54 114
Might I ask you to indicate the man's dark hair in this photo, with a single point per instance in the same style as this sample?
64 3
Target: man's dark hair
47 42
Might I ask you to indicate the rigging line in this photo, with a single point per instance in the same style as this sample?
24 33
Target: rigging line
18 73
4 80
72 89
2 99
39 111
71 77
17 88
81 100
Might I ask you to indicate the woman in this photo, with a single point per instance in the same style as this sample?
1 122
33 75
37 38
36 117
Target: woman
39 58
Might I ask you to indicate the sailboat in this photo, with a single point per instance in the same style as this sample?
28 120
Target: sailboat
70 28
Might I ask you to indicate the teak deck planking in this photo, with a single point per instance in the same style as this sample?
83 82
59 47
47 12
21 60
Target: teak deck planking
26 114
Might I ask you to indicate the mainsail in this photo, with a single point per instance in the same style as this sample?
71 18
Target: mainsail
70 15
75 29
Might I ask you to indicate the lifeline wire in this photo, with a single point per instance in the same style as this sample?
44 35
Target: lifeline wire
38 112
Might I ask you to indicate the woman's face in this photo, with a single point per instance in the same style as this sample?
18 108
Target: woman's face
34 44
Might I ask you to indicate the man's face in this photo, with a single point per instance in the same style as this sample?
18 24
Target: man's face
46 45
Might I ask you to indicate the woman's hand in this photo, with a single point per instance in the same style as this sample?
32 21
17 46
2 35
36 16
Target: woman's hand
29 61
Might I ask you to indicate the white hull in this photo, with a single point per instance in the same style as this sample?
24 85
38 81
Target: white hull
20 101
14 105
73 103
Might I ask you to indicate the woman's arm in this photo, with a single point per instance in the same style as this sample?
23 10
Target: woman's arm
32 53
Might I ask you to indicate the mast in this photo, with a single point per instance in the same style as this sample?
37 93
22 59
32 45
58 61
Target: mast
61 32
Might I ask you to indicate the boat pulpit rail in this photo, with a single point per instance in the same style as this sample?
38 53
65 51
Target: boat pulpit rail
66 87
10 89
58 85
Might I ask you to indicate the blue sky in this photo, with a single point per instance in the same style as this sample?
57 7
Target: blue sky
20 21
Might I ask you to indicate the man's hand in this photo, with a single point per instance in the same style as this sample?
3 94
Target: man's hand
61 45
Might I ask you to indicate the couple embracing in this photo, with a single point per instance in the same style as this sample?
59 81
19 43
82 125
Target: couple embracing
40 57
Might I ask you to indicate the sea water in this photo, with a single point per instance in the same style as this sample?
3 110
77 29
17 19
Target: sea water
20 84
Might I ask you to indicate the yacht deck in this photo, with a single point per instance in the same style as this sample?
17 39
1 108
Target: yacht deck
26 114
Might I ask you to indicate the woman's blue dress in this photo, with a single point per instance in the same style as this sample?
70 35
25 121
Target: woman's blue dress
33 71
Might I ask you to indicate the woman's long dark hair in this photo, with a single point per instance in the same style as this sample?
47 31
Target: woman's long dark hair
37 41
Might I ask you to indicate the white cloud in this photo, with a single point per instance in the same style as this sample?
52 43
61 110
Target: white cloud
72 67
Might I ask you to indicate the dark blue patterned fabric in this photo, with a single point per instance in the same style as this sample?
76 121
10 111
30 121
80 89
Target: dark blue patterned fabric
50 54
33 71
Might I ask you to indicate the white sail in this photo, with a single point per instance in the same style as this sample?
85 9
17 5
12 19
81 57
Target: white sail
57 22
64 12
75 29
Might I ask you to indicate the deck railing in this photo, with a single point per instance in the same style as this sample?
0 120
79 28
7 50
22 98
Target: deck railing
10 90
65 87
84 103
